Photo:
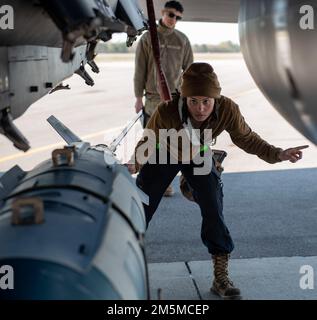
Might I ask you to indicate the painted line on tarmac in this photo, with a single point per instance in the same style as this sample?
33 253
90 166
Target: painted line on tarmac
54 145
89 136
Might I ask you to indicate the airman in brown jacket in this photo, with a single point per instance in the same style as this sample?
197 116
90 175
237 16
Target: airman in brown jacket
200 107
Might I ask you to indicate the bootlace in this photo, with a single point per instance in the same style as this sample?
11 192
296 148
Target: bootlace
221 269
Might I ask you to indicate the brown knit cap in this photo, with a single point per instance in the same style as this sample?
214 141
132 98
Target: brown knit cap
200 80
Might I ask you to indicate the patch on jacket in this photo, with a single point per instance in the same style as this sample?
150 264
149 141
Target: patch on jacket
170 46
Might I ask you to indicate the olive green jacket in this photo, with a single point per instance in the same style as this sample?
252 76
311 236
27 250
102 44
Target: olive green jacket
176 56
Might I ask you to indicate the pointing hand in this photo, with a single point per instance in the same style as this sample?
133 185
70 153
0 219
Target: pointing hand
292 154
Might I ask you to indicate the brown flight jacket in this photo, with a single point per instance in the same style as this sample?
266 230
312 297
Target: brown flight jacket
225 116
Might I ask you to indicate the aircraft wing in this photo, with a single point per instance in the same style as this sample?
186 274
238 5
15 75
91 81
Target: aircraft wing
45 42
203 10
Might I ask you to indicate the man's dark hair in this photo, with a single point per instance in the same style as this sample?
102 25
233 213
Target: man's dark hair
174 5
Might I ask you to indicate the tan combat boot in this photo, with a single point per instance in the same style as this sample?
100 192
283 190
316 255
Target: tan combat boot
222 285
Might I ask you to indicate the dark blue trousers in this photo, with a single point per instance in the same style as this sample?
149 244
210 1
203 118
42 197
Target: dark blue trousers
153 179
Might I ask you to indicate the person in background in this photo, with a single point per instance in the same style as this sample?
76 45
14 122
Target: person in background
176 57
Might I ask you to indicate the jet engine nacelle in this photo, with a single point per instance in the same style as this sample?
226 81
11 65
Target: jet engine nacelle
280 55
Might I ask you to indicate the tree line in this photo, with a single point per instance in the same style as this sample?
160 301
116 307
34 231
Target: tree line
120 47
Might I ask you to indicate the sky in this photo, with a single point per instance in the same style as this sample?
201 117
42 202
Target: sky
202 32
